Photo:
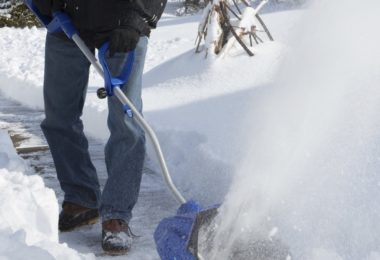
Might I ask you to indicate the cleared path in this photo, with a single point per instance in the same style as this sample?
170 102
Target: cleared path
154 202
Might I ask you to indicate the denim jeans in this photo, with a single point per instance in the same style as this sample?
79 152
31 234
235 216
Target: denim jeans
65 86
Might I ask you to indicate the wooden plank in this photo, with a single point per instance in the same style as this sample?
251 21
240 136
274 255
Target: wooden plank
31 149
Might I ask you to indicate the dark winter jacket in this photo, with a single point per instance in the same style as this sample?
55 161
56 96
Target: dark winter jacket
100 16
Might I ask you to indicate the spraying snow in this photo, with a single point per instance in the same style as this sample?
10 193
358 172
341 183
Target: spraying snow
310 176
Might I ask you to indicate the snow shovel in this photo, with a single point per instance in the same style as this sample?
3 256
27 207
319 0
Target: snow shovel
177 237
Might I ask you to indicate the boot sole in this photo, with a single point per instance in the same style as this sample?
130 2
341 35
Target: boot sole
92 221
116 252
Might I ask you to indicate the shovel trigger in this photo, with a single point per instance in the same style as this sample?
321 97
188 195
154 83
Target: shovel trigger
128 111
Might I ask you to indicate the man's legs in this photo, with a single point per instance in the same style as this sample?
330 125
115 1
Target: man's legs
65 84
125 149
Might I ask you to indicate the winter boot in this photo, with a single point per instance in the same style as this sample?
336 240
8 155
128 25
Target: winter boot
116 237
73 216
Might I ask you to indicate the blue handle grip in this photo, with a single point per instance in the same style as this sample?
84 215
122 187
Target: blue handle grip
122 78
60 21
50 24
64 21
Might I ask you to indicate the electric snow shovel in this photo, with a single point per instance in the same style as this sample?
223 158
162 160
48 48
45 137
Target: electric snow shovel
176 237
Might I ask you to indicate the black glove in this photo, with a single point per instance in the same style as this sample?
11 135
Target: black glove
122 39
46 7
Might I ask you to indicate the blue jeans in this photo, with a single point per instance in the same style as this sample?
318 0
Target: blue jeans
65 86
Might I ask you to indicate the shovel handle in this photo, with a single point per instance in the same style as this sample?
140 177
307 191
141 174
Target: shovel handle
44 19
64 22
119 80
61 21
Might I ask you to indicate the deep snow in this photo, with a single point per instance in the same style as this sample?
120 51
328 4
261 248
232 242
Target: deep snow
29 212
207 114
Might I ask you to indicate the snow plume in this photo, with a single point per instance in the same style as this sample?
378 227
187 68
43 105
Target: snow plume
310 178
29 212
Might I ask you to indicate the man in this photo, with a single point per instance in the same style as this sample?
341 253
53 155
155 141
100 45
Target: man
126 25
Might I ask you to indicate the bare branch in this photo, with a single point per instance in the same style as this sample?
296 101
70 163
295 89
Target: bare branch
224 12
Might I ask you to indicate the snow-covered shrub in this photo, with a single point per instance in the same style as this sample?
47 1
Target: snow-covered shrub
17 15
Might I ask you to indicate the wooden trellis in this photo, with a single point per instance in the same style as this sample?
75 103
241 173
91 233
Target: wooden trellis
218 32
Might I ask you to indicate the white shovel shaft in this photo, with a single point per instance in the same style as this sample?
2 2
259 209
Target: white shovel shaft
137 116
153 138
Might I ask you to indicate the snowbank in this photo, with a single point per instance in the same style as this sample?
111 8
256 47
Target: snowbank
29 212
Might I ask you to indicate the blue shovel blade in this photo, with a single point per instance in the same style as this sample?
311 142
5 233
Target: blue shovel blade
177 237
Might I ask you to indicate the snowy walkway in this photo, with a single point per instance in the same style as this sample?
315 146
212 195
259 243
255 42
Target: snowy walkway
154 201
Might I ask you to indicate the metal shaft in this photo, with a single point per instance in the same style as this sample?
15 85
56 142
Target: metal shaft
138 117
89 55
153 138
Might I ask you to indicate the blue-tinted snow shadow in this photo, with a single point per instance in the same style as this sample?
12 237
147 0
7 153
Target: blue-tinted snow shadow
177 20
186 64
204 157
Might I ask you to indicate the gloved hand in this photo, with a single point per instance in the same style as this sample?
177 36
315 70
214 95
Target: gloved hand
46 7
123 40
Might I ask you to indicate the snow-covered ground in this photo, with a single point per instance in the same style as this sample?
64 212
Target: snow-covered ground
208 114
193 103
29 212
